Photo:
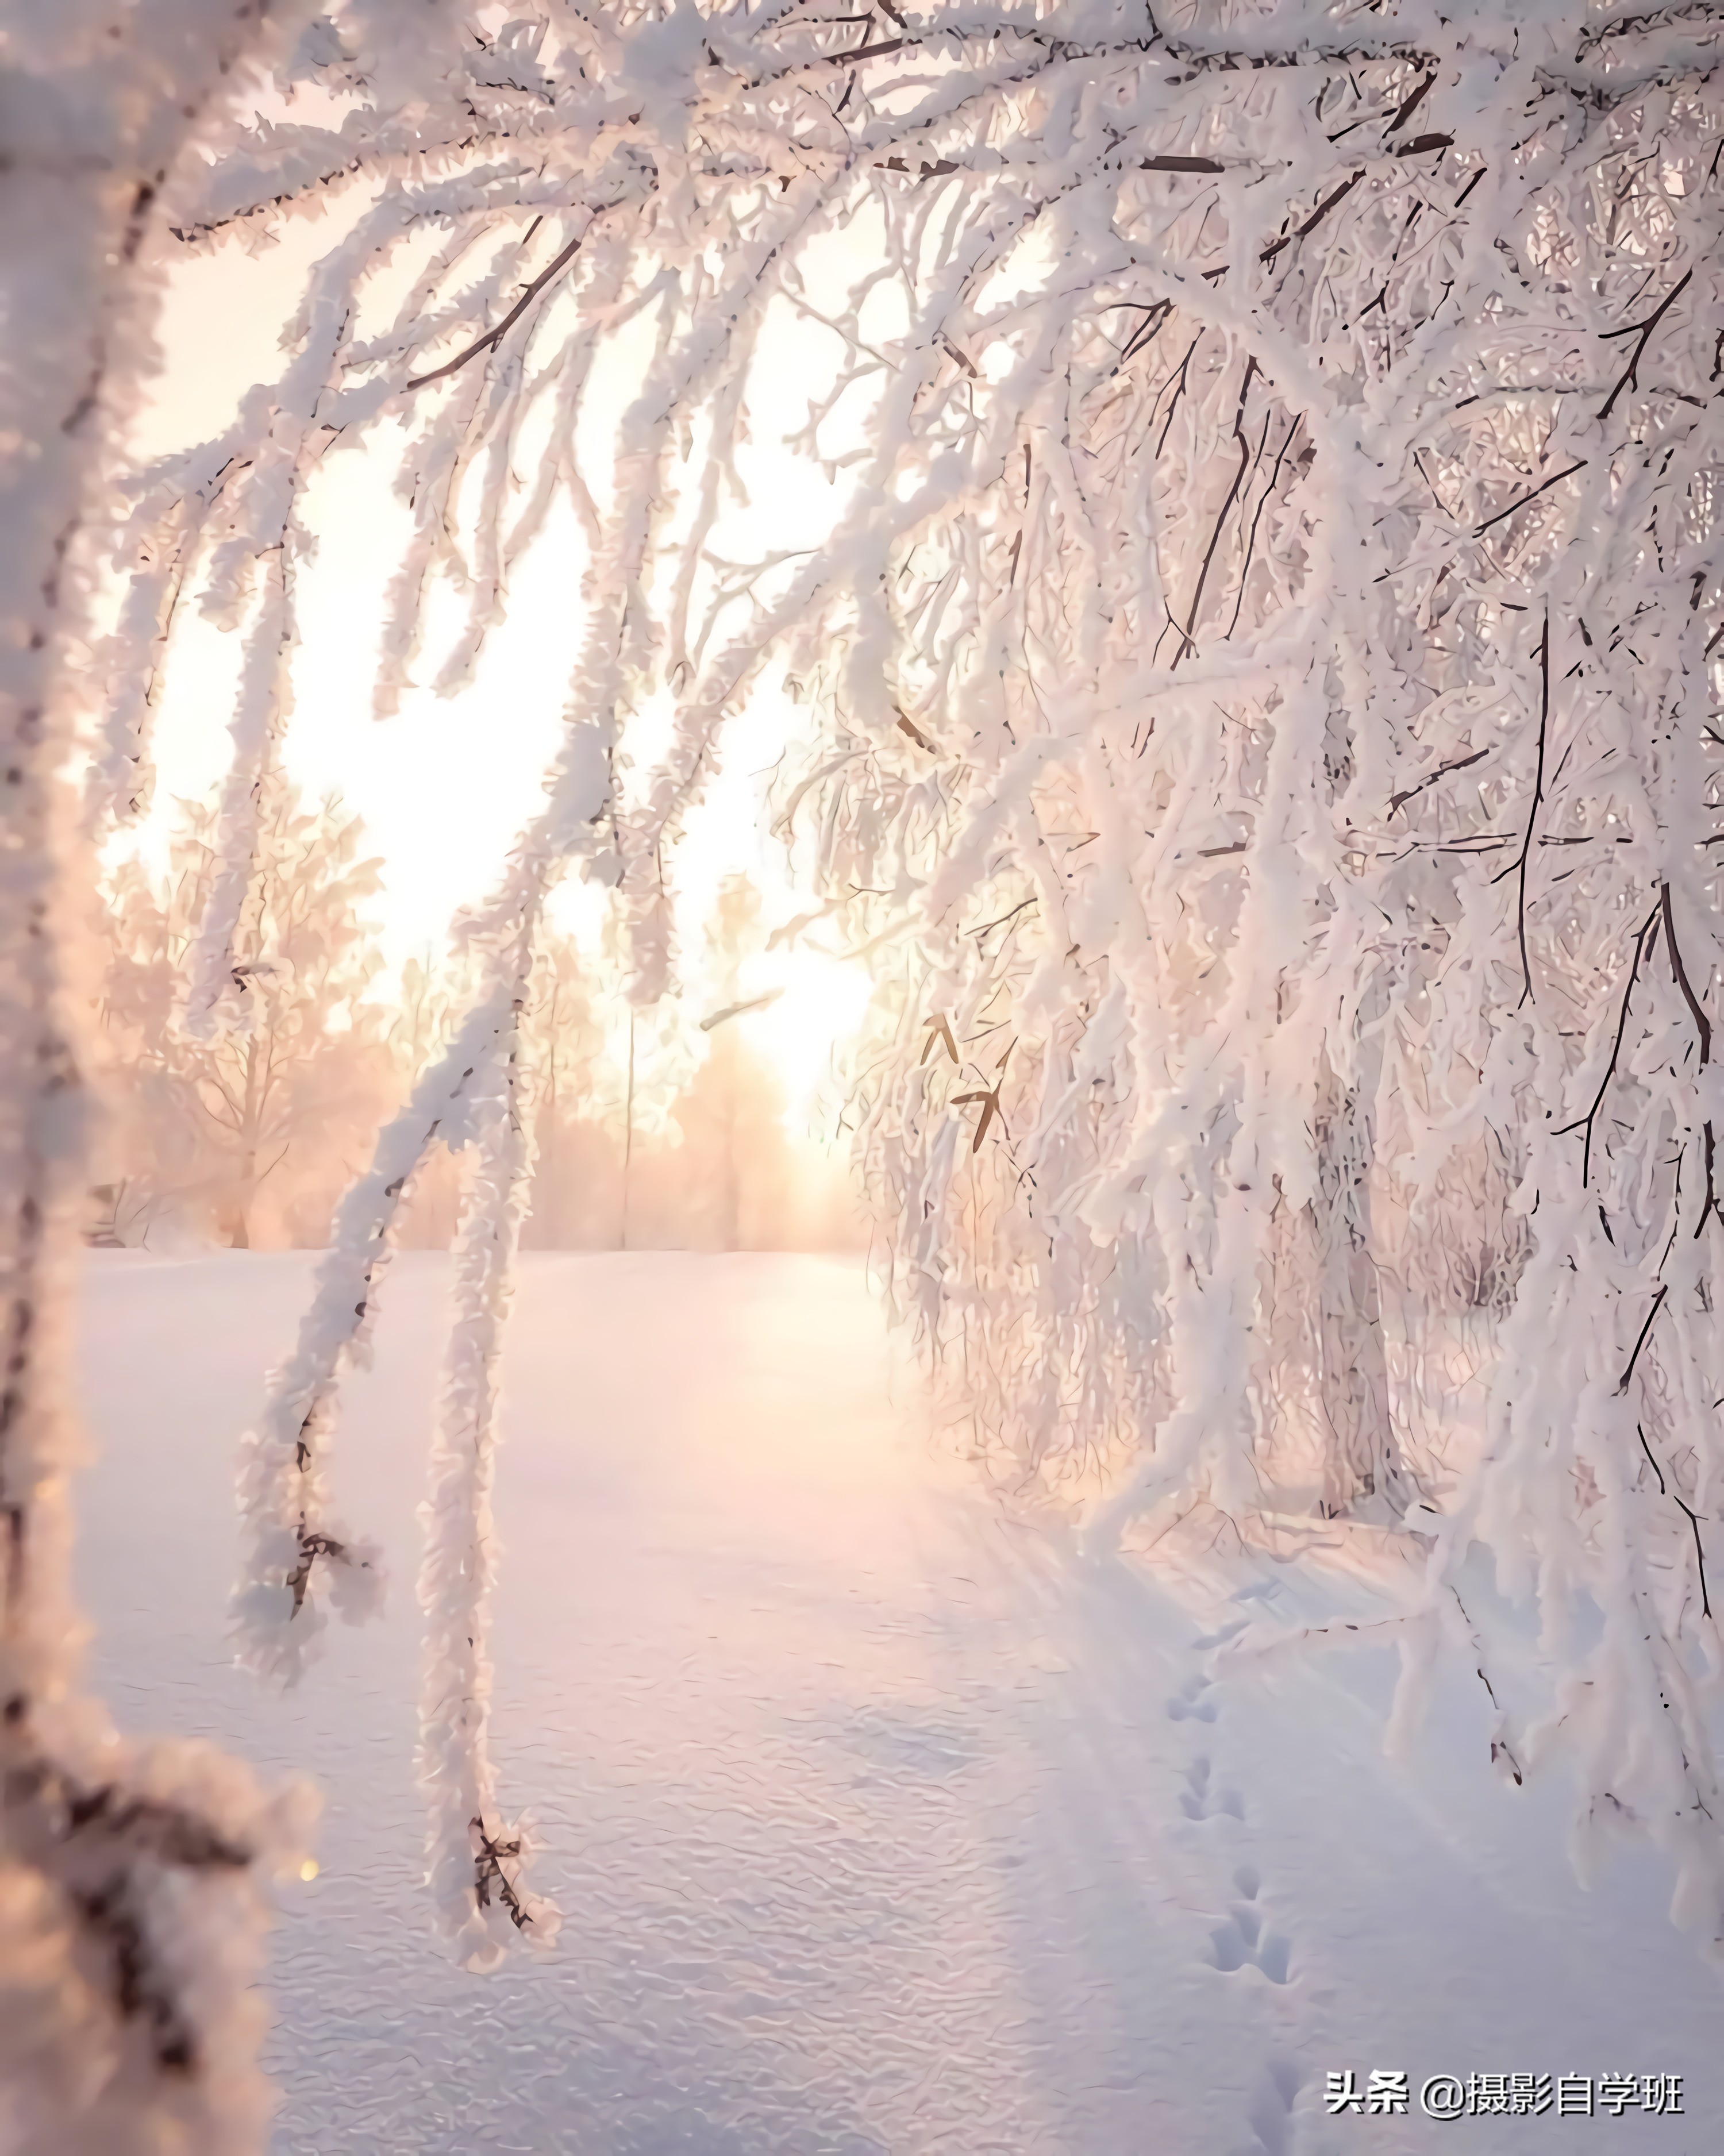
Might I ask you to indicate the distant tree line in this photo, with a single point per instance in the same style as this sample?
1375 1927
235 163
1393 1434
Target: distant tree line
247 1138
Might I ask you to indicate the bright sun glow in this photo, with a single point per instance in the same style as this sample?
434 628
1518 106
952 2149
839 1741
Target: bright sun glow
440 817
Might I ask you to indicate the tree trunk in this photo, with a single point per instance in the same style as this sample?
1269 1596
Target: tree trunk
1364 1473
732 1225
99 102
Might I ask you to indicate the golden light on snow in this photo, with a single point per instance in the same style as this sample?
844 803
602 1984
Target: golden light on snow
308 1870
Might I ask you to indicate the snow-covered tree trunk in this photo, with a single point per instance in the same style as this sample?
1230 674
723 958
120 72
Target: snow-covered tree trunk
130 1894
1362 1454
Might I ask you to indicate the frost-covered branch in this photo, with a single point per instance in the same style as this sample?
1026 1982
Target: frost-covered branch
131 1894
475 1860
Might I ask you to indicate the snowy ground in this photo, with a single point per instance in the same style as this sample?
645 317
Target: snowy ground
881 1825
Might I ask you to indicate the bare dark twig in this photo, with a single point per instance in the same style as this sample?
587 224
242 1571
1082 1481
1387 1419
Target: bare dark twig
1001 919
1406 110
1178 391
1315 219
491 338
1480 530
1703 1024
1587 1121
1399 800
1519 867
1630 379
489 1873
1622 1383
1145 332
1226 510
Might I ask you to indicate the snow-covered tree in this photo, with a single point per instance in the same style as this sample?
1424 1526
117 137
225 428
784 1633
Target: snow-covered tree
212 1120
1259 664
733 1102
131 1901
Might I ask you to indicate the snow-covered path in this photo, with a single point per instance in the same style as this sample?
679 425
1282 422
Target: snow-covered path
880 1825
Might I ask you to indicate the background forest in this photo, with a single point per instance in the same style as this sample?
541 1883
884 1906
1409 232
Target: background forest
248 1138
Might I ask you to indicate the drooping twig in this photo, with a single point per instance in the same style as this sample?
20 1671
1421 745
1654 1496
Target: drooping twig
1178 391
1622 1384
1264 501
1480 530
1588 1119
1406 110
1629 378
1703 1027
1315 219
1519 867
1224 512
1399 800
1501 1753
1145 332
493 337
1703 1024
1699 1553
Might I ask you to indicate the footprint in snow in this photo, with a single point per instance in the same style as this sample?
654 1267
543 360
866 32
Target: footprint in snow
1271 2117
1199 1801
1244 1941
1190 1703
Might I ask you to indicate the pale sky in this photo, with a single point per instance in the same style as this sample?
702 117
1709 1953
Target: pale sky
445 785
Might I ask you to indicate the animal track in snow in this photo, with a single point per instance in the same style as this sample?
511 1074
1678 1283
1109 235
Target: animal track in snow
1199 1801
1271 2117
1243 1942
1212 1640
1189 1703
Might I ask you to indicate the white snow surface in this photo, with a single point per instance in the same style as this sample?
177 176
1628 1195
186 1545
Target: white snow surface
882 1822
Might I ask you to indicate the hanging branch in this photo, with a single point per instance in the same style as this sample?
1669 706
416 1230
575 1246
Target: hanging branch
474 1863
493 338
1622 1383
1586 1122
1479 530
1520 865
1397 801
1330 201
1703 1024
1223 513
1630 378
